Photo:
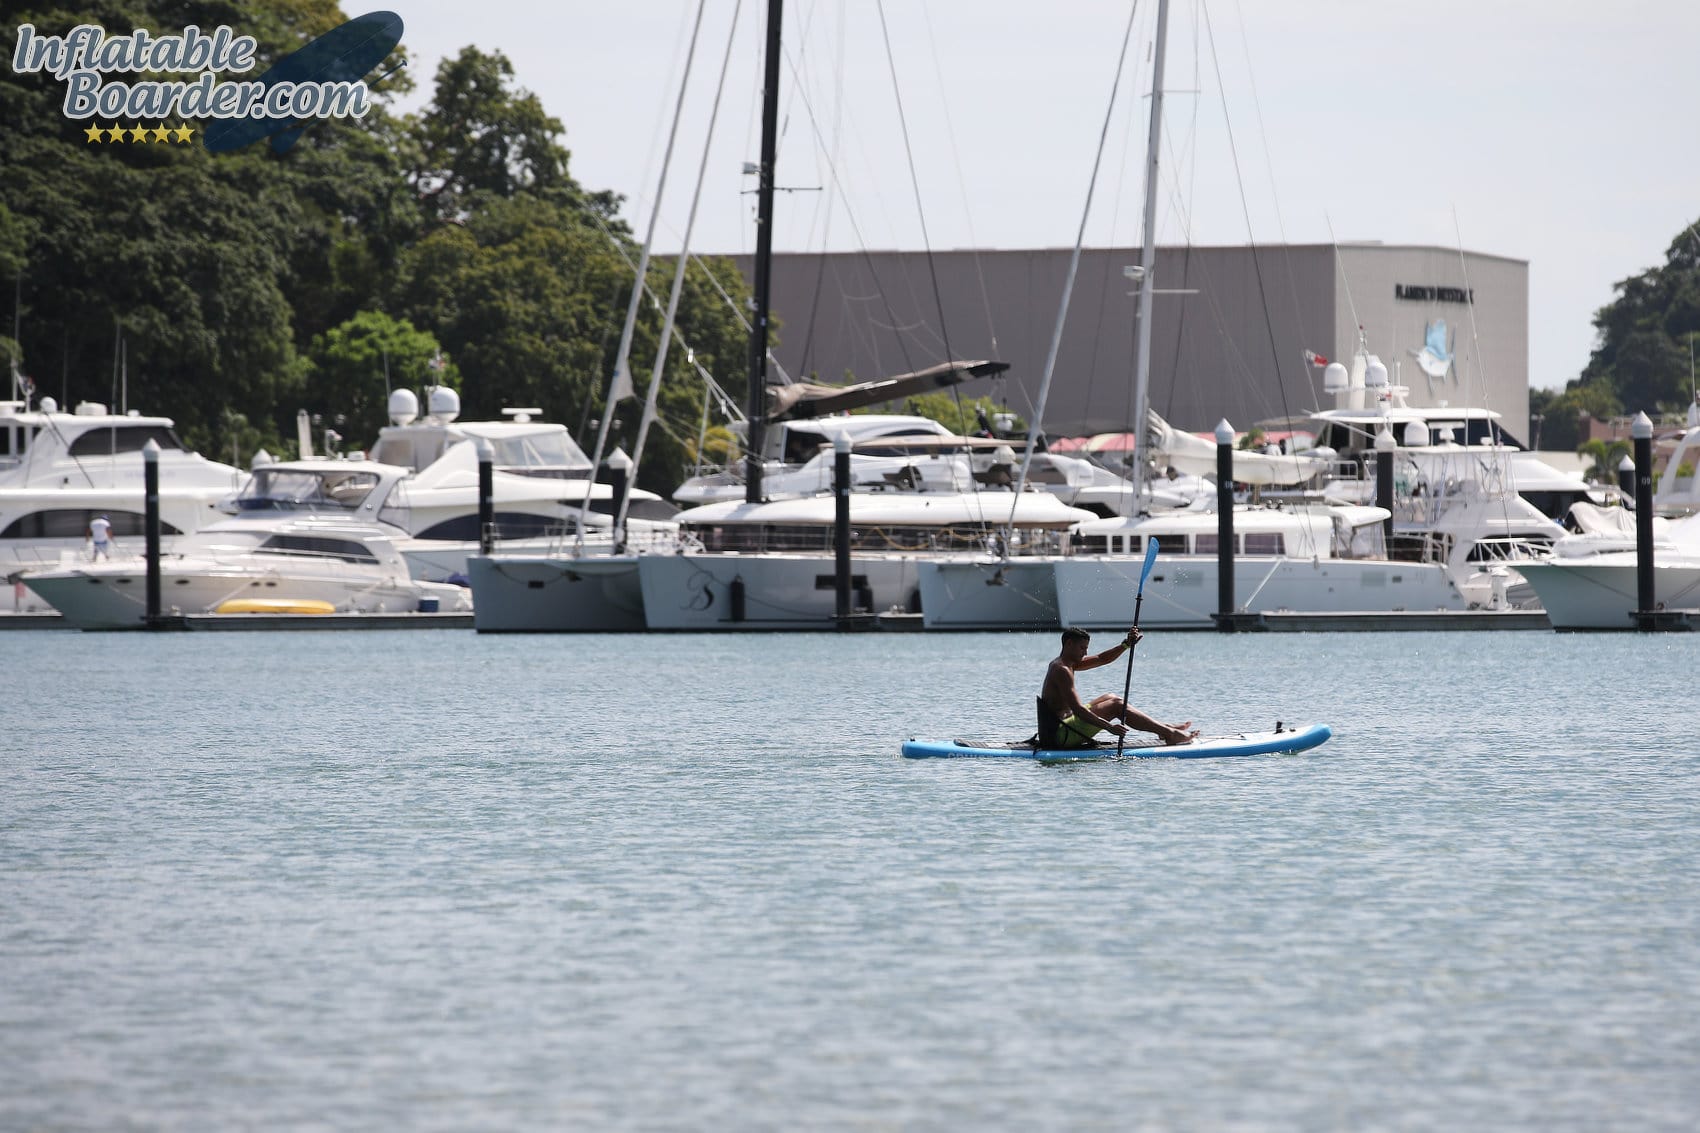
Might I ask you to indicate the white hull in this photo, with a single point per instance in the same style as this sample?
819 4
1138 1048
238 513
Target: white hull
694 591
555 594
986 594
1604 594
115 597
1097 592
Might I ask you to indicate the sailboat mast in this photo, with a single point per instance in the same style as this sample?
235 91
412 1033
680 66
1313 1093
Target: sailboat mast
1147 261
764 257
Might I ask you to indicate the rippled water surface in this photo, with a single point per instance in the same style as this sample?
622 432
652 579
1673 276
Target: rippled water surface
430 880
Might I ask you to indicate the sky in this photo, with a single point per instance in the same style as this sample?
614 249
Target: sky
1559 133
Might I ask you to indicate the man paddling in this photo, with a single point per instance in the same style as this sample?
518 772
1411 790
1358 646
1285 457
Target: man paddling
1065 722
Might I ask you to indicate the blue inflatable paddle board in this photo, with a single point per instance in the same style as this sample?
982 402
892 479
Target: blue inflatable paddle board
1244 743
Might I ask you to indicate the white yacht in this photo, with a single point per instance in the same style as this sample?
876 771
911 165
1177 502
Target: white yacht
312 563
1366 403
1307 558
1590 580
542 486
58 471
772 565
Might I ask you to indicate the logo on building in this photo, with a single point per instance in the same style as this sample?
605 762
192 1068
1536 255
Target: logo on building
1423 293
1435 357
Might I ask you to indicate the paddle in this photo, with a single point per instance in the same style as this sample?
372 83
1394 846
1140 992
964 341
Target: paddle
1138 601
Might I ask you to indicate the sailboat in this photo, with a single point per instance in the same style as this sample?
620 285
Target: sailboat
768 563
595 589
1311 556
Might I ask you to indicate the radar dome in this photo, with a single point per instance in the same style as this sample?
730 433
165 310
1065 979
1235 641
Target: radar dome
1375 374
1416 435
404 407
444 403
1335 378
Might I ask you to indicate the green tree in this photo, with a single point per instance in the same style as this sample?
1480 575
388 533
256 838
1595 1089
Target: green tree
1562 413
210 269
482 139
1641 353
354 366
1605 457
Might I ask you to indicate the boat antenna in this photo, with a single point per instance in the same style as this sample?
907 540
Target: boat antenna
764 255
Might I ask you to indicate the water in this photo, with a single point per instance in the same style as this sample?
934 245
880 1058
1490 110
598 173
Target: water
437 881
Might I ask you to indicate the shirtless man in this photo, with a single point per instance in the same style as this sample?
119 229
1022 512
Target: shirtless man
1078 723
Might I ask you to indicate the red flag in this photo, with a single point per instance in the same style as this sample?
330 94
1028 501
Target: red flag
1315 359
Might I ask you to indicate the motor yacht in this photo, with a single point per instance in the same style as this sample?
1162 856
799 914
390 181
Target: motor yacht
314 562
1590 581
58 471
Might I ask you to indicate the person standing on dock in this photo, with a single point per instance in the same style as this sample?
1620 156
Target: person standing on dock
100 538
1065 722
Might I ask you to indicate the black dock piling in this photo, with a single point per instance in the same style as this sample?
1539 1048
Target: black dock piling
1224 527
150 523
486 496
1646 613
841 524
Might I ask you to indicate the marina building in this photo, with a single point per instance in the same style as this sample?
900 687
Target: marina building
1238 332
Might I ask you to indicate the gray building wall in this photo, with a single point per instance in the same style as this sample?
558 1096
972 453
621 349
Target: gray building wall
1229 329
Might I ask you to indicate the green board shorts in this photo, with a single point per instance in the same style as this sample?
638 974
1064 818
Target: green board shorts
1074 730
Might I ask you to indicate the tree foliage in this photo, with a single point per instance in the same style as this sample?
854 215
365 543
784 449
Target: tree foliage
963 416
1640 361
243 287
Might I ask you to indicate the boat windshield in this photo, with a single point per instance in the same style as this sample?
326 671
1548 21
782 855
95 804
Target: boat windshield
540 454
297 490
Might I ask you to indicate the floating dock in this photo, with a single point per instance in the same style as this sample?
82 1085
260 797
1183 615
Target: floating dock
1384 621
239 622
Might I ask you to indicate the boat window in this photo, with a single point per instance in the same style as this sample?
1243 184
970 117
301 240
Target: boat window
1367 541
293 490
124 438
413 449
819 538
1206 544
318 546
1417 548
1264 543
509 525
651 509
73 523
801 444
1170 544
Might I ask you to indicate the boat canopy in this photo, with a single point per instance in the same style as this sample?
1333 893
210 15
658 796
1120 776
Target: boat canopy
806 399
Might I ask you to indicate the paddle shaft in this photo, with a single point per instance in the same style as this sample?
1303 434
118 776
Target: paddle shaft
1127 684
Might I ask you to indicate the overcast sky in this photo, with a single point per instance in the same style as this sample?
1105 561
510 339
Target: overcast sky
1556 132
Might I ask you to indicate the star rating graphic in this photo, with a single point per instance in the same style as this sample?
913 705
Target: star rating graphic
117 132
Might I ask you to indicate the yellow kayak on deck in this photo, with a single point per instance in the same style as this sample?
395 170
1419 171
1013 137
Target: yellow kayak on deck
275 606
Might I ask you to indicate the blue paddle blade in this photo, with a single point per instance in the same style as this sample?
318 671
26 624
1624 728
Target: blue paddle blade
1150 561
